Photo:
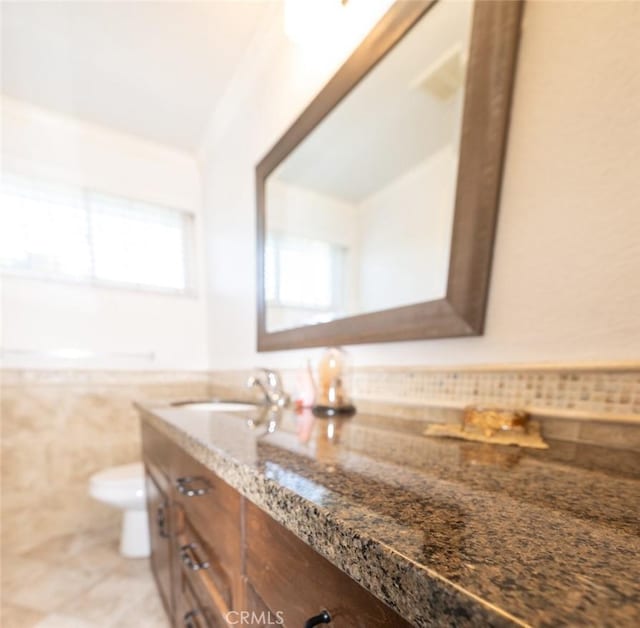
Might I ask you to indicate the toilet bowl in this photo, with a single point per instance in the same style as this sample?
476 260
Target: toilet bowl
123 487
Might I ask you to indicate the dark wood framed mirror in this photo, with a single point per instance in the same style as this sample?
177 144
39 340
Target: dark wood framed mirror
376 210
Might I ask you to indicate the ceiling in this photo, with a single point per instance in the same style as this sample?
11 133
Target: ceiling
389 123
153 69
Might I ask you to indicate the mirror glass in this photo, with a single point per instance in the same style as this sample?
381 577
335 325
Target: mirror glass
359 215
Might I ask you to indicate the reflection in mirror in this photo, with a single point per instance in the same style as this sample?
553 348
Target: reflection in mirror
359 216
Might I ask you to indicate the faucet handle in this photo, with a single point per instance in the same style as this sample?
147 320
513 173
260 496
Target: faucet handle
270 383
255 382
274 379
271 378
252 381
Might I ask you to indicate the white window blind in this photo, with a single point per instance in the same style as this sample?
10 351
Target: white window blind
63 232
304 273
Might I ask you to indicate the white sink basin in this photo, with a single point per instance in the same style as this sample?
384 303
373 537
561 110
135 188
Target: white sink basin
219 406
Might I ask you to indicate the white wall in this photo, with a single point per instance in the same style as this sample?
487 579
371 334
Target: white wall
44 316
305 213
565 284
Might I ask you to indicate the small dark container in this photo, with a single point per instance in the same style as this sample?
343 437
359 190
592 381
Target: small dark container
329 411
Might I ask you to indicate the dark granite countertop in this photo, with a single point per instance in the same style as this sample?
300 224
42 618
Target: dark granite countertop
445 532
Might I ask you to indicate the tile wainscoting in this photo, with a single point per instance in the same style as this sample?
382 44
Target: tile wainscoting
59 427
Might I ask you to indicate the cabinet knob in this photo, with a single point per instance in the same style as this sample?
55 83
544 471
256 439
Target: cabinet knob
190 558
193 486
316 620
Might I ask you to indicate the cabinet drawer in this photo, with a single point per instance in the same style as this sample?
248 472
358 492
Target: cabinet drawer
192 612
207 577
286 575
208 514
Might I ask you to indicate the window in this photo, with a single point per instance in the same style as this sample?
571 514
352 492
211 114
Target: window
304 274
63 232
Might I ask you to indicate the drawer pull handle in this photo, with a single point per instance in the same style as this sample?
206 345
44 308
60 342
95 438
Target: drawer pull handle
161 520
193 486
316 620
190 558
190 619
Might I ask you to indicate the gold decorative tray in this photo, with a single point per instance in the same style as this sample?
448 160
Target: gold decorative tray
493 425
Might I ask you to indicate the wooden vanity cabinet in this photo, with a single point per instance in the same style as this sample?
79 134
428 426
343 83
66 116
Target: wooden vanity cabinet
159 530
188 607
158 492
208 537
288 575
216 555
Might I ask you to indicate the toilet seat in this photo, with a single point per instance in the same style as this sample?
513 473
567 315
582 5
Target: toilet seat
126 477
121 486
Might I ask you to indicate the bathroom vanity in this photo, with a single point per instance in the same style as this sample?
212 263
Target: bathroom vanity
215 554
285 516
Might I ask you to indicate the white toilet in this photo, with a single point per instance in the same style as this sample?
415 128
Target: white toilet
123 487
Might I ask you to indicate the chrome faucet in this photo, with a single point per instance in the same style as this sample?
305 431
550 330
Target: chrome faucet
270 383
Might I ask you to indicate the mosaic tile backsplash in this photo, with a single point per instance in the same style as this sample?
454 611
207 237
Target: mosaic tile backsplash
596 394
604 394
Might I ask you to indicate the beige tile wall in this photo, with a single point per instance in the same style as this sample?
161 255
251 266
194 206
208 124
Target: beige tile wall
59 427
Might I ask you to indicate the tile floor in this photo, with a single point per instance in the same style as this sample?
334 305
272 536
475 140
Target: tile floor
79 581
